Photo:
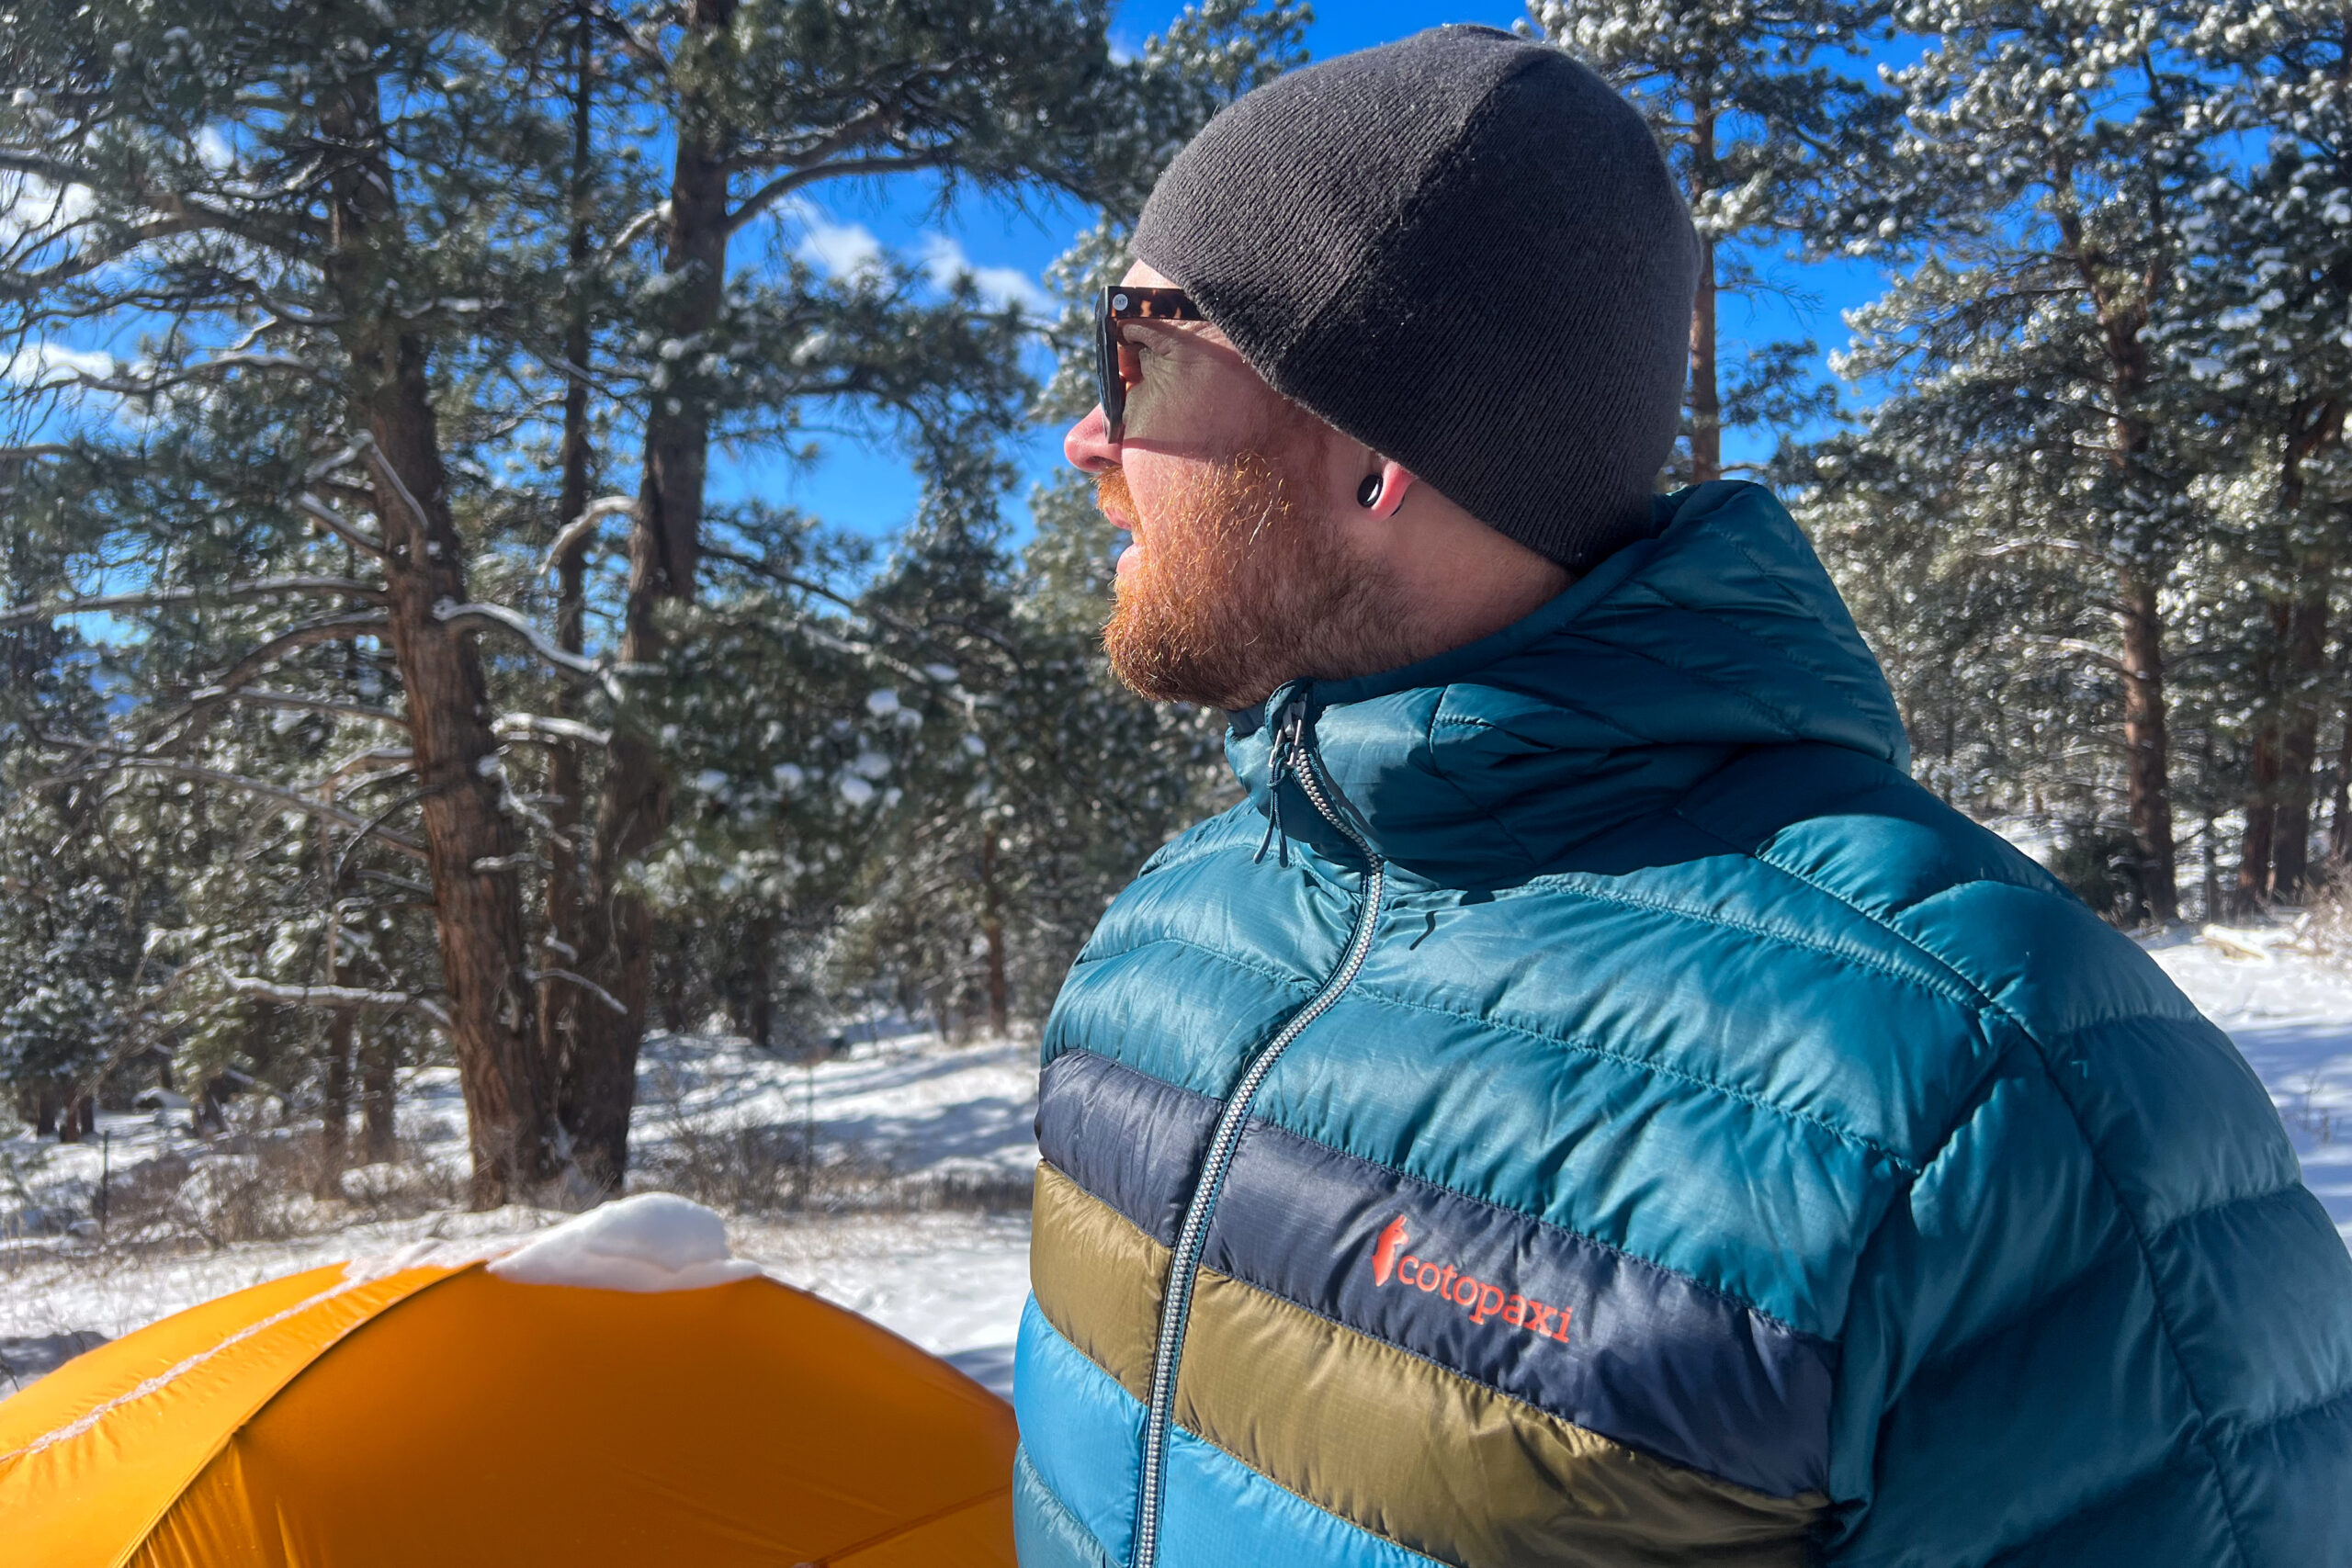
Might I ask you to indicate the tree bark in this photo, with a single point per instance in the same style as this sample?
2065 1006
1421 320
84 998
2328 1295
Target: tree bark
633 811
379 1066
471 841
564 893
2147 770
2299 735
2261 808
992 931
335 1110
1706 392
2261 819
2339 824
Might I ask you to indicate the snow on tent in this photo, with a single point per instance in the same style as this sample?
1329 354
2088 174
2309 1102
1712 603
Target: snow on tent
619 1390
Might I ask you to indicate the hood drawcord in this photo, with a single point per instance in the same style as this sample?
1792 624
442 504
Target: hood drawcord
1290 734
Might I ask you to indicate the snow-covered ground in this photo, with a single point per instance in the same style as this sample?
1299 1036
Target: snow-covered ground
913 1215
2289 1010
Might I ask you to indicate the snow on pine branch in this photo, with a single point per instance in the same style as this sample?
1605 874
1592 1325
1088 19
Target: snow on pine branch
547 726
262 696
334 997
452 614
324 810
259 589
341 527
585 525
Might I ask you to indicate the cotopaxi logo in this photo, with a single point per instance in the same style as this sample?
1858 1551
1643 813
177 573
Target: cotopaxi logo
1392 1264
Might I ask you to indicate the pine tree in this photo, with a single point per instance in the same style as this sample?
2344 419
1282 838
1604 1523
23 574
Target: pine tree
1765 141
409 294
2048 161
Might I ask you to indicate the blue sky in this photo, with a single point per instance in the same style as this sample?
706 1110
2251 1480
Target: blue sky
866 487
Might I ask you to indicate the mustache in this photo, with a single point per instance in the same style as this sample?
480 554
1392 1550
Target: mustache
1113 499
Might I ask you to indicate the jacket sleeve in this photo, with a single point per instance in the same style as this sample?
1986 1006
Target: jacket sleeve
2107 1324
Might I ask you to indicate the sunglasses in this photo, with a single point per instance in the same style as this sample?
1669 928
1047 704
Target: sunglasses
1118 365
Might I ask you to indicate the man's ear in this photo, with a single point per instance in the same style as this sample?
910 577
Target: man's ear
1395 480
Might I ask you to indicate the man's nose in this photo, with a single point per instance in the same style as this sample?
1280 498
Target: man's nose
1088 444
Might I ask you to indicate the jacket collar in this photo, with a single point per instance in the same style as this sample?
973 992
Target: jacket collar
1505 757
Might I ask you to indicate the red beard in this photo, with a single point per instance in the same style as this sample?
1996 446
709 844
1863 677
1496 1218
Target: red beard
1241 585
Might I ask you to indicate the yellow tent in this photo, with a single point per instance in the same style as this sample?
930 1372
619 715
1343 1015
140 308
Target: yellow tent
442 1416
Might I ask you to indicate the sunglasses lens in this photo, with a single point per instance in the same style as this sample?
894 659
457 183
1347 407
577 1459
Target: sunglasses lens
1109 384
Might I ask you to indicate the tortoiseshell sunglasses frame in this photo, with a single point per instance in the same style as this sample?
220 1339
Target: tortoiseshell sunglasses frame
1114 372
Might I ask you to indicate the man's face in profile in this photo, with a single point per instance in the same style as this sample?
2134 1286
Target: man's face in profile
1240 576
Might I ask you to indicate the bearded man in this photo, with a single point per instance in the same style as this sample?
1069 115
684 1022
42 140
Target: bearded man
1587 1105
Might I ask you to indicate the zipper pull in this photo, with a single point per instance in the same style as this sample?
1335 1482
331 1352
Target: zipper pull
1290 733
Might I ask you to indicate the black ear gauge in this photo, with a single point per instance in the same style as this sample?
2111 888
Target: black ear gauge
1368 492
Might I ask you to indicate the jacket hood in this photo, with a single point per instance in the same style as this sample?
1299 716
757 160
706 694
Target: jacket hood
1506 757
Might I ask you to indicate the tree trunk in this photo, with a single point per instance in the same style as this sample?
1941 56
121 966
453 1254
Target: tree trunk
1706 392
335 1112
2261 809
2147 768
759 980
618 947
992 929
2261 817
2339 826
335 1109
470 842
2298 736
380 1063
2211 899
564 893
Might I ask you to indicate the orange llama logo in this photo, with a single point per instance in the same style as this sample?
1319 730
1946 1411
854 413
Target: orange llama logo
1482 1301
1383 1255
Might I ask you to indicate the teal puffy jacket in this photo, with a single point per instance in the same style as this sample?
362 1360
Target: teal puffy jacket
1590 1107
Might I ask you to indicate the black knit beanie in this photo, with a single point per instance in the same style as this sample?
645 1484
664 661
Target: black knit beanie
1465 251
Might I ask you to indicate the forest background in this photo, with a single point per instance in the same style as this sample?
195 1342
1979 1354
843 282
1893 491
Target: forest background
497 557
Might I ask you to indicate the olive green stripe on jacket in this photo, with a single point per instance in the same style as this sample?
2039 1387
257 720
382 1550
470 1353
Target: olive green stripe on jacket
1097 1279
1383 1439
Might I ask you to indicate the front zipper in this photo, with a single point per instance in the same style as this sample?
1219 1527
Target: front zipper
1289 752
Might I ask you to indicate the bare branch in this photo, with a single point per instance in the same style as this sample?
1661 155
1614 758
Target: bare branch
2076 647
325 466
265 588
360 759
341 527
585 525
545 727
2072 547
332 629
262 697
594 989
334 997
382 467
632 231
500 616
160 380
31 285
286 797
796 179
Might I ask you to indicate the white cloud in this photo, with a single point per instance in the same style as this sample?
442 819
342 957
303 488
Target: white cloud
40 363
29 205
944 260
837 250
850 250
